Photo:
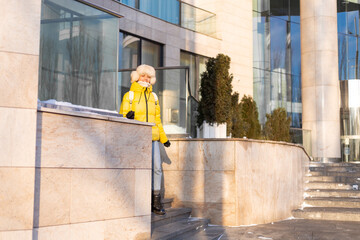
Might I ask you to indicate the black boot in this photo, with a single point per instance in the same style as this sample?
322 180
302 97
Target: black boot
157 206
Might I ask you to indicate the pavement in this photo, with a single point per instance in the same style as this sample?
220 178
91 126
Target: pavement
299 229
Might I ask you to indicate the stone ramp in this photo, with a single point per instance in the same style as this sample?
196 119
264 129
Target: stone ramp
332 192
177 224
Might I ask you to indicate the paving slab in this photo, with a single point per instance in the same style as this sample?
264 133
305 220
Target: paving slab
294 229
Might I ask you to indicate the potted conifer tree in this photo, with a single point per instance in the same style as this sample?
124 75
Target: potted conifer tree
215 103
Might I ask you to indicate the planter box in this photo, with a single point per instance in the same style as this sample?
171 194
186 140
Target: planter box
214 131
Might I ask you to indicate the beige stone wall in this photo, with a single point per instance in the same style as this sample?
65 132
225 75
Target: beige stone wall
236 182
19 58
93 180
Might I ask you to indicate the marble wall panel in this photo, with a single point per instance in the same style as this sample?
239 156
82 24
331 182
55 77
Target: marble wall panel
308 73
19 76
17 198
52 204
191 155
326 34
185 185
219 186
104 192
53 233
173 155
138 228
307 29
327 104
88 191
219 155
121 193
16 235
307 9
323 8
328 135
18 134
68 141
309 104
21 23
128 146
142 192
88 231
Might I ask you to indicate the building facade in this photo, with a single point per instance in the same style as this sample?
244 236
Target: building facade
280 55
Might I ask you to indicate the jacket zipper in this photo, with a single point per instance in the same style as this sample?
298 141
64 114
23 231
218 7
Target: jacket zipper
146 102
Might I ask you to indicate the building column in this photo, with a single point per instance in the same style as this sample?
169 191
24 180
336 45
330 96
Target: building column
19 67
320 79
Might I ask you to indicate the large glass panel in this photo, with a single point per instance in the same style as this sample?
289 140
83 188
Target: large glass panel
343 56
78 54
278 31
261 36
151 53
277 58
350 120
131 3
129 51
167 10
280 8
188 59
198 19
261 5
134 51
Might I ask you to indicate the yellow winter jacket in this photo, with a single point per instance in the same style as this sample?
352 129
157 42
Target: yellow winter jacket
145 108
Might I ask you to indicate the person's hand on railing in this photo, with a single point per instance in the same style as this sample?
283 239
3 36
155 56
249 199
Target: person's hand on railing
167 144
130 115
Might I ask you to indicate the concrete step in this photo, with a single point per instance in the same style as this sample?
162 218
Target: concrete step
337 202
336 174
324 213
181 229
332 193
338 179
172 215
210 233
331 185
167 202
342 164
336 169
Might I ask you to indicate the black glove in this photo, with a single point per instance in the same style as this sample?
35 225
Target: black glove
167 144
130 115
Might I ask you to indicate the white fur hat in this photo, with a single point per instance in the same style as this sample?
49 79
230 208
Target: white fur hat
143 69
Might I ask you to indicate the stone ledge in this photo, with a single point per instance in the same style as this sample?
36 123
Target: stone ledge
87 113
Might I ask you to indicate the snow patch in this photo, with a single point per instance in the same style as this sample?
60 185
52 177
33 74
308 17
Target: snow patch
304 205
261 237
52 103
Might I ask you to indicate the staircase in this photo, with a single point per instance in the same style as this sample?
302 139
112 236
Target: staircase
332 192
177 224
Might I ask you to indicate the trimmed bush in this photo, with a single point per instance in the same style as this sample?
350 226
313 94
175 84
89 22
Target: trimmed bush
277 126
215 91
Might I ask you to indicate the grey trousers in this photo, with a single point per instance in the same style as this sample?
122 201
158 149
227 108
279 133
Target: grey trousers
156 166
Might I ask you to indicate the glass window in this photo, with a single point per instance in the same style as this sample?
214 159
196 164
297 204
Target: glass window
197 65
134 51
279 8
151 53
167 10
277 58
78 54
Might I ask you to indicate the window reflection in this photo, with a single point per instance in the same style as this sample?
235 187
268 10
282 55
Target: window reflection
276 54
78 54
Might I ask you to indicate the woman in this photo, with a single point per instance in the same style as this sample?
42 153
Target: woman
141 104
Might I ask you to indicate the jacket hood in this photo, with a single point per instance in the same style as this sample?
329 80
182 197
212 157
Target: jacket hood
136 87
